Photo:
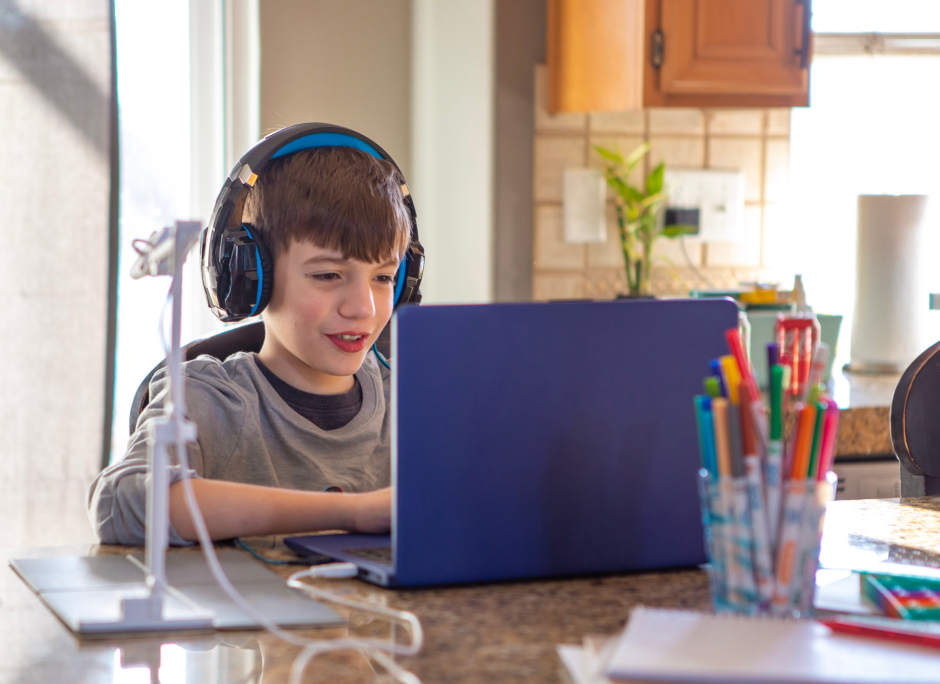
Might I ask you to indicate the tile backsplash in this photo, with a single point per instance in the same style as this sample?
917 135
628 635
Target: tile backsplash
756 141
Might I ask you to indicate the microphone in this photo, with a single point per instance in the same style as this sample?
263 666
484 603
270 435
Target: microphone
158 254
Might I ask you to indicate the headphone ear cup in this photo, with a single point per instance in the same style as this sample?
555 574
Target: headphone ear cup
266 262
410 274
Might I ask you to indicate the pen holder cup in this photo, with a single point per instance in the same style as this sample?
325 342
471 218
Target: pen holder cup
756 567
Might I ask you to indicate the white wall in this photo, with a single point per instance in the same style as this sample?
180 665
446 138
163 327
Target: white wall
346 63
452 145
55 83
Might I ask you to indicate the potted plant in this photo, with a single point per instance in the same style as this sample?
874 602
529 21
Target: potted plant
636 215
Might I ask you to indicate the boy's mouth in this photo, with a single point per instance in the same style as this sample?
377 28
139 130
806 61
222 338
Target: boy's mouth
350 341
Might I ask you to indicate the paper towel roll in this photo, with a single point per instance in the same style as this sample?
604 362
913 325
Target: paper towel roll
890 294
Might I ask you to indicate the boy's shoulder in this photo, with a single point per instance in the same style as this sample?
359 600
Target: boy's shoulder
233 375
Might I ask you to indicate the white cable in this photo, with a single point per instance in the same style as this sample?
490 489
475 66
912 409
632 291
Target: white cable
311 647
314 648
692 266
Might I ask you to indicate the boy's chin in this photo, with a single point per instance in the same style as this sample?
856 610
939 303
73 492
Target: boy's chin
344 366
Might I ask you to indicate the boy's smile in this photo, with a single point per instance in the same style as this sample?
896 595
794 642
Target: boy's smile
324 315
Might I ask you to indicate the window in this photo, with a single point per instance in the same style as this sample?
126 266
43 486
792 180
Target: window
153 101
870 129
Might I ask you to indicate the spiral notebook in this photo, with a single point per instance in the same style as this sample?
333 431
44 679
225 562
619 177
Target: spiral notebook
682 646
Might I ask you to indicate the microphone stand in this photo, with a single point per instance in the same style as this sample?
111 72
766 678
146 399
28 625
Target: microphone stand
164 254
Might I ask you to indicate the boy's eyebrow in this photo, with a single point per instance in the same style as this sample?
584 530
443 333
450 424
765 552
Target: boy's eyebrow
340 260
324 260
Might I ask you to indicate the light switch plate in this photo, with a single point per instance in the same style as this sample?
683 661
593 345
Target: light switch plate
719 197
584 204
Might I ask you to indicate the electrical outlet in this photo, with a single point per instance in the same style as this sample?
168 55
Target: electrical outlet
719 197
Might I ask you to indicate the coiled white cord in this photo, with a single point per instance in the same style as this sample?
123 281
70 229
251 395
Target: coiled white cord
311 647
374 645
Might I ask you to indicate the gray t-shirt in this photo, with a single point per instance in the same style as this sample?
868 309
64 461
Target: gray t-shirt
248 433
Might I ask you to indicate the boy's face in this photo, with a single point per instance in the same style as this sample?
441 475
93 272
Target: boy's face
326 312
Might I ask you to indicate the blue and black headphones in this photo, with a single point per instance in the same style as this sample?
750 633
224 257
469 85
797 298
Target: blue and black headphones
237 268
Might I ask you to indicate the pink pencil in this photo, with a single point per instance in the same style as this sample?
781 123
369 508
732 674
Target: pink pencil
830 428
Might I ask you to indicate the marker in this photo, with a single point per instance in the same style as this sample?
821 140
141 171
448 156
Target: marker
715 367
760 532
816 449
829 439
712 386
722 446
731 376
733 336
776 401
703 418
773 354
774 465
803 442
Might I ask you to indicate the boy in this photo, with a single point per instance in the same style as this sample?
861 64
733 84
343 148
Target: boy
310 411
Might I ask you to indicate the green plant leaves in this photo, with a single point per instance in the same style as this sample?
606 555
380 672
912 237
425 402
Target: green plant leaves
654 183
677 230
636 212
634 157
609 155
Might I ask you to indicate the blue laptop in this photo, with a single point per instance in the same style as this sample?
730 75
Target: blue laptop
543 439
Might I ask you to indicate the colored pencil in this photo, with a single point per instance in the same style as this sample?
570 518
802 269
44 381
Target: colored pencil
722 446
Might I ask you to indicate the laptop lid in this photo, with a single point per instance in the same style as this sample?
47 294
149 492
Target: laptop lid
548 438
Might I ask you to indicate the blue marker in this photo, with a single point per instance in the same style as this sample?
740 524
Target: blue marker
706 434
715 365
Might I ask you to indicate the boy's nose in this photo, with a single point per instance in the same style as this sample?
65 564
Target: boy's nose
358 303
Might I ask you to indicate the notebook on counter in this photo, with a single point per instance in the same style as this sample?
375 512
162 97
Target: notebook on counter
682 646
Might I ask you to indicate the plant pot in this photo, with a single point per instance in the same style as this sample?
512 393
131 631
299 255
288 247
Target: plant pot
624 295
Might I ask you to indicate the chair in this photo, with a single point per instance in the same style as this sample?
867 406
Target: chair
221 345
915 425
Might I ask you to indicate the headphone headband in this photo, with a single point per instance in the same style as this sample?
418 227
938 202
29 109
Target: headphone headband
237 269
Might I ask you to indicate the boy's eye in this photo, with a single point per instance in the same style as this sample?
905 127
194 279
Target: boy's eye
385 278
325 277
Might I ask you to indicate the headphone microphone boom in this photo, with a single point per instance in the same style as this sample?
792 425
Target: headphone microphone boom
237 268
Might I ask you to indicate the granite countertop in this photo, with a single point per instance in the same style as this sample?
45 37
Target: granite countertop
504 632
864 425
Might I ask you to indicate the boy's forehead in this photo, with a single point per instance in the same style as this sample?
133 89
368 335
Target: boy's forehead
308 253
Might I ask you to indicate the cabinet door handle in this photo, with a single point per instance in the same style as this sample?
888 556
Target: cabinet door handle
656 49
803 50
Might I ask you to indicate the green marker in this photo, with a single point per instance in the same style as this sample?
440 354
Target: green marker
817 440
712 386
776 402
774 465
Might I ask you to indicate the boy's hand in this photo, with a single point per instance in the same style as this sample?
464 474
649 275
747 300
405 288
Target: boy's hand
372 512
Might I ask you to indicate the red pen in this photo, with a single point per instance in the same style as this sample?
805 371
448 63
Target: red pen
916 635
733 336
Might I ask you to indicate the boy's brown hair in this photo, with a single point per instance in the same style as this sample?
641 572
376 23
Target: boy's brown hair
334 197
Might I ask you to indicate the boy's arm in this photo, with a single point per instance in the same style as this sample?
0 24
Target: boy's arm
232 509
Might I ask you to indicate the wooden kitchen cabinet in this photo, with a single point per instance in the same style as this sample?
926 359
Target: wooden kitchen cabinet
595 53
727 53
615 55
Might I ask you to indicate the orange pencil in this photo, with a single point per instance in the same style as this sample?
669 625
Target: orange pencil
722 443
806 427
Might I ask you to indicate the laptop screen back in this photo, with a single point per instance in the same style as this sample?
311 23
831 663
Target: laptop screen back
549 438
